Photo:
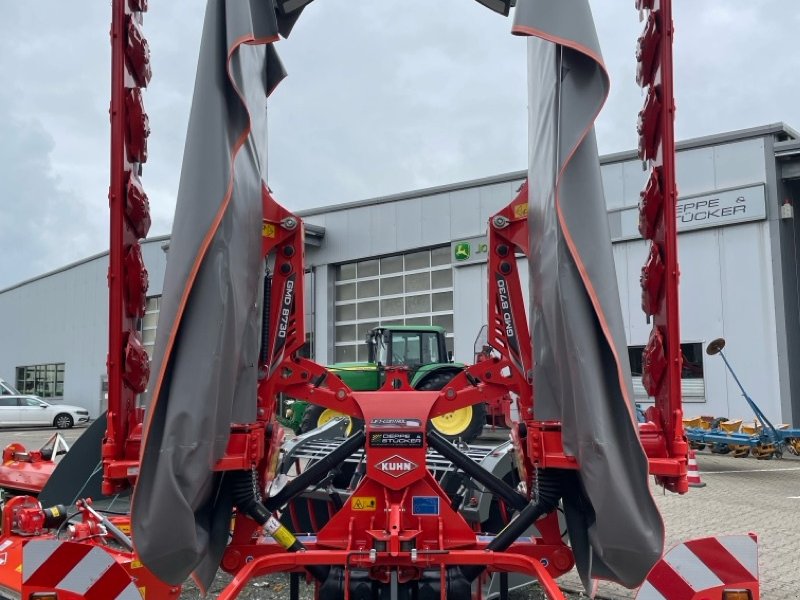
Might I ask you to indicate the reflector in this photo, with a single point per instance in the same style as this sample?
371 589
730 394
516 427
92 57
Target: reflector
737 595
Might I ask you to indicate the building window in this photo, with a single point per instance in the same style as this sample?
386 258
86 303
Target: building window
45 381
149 323
692 379
415 288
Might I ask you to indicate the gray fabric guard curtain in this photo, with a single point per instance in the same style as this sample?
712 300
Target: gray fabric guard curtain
581 370
204 372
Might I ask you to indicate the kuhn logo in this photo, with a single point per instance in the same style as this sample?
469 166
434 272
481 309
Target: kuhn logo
396 466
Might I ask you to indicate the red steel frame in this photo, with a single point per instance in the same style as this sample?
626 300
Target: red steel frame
128 363
663 434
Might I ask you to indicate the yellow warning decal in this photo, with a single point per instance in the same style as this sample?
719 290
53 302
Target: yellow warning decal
19 569
136 564
268 230
362 503
143 591
284 537
124 527
54 510
521 210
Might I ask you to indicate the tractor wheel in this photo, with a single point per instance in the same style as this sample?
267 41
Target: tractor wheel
316 416
466 423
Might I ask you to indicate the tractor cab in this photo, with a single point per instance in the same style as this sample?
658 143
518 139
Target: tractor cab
407 346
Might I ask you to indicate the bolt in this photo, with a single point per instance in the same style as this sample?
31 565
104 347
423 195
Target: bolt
450 393
341 394
289 223
500 222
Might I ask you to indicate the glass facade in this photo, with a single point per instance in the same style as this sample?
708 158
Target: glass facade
45 381
415 288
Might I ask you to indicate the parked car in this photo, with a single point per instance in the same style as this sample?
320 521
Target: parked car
6 389
20 410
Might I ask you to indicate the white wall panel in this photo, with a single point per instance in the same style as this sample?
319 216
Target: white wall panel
748 314
436 224
469 303
383 231
633 178
465 213
694 170
738 164
613 187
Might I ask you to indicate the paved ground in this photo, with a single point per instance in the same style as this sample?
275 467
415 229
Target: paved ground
741 495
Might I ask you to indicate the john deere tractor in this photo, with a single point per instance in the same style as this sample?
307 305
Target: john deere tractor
424 352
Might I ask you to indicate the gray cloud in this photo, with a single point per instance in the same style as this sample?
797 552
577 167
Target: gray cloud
381 97
42 224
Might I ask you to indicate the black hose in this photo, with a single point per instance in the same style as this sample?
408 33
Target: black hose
549 494
242 490
497 486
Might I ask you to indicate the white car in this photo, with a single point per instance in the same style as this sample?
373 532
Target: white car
21 410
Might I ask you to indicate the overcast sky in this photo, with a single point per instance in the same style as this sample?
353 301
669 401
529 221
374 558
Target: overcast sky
383 96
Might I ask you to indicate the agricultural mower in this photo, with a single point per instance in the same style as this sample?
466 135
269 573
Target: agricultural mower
762 439
394 510
421 350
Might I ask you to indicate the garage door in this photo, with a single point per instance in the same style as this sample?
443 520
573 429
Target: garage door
415 288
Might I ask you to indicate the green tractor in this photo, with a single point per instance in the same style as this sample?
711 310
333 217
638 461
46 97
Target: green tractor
424 352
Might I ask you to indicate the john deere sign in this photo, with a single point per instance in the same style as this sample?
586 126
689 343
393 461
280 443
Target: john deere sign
466 252
462 251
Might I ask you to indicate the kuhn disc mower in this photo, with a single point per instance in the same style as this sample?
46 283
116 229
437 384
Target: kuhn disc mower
394 510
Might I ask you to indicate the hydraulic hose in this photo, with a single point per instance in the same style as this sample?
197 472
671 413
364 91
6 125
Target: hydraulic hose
549 494
316 472
243 490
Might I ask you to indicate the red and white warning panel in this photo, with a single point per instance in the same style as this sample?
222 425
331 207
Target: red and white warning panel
703 569
85 570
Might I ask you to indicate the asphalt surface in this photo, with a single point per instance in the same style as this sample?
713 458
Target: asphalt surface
740 496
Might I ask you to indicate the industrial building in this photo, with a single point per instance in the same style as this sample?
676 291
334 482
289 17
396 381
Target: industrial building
419 258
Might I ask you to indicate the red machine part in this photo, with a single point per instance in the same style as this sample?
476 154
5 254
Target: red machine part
662 364
128 364
648 123
136 282
137 207
650 205
23 470
652 281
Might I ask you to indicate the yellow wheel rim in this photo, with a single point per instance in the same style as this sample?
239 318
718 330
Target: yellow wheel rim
453 423
329 414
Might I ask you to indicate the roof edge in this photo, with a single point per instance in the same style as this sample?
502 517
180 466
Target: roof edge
698 142
77 263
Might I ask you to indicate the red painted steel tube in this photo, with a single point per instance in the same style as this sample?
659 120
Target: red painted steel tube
496 561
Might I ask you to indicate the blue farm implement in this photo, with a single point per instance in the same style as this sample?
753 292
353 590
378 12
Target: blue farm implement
762 439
